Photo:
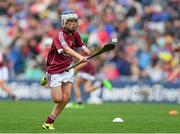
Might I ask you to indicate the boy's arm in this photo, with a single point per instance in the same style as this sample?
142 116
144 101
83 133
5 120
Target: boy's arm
81 45
74 54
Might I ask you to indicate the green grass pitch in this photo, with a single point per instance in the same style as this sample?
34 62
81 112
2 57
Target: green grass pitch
28 116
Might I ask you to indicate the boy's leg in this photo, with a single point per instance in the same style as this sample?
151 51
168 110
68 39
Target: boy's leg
66 94
56 95
77 84
7 89
89 86
60 96
77 92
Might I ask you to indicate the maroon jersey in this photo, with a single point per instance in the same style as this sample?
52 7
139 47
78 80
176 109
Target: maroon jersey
88 68
57 62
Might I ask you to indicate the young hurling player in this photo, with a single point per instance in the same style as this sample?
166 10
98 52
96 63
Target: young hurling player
60 57
86 76
4 77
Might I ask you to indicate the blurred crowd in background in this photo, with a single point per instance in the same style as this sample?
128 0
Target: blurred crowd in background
147 30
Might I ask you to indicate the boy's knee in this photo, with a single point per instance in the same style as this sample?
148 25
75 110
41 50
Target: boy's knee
57 100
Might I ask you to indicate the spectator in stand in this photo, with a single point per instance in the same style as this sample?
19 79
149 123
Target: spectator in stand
133 21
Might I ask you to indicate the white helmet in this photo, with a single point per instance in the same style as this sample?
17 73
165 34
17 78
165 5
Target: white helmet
66 15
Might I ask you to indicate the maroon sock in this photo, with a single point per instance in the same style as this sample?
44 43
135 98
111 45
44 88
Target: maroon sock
50 119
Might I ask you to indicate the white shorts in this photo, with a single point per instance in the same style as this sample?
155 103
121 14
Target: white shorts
86 76
4 73
55 80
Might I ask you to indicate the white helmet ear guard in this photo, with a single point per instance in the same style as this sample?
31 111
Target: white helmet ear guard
67 15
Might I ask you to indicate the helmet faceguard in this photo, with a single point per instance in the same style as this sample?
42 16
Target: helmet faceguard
67 15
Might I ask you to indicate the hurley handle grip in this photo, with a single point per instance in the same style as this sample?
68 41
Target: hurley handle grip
106 48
